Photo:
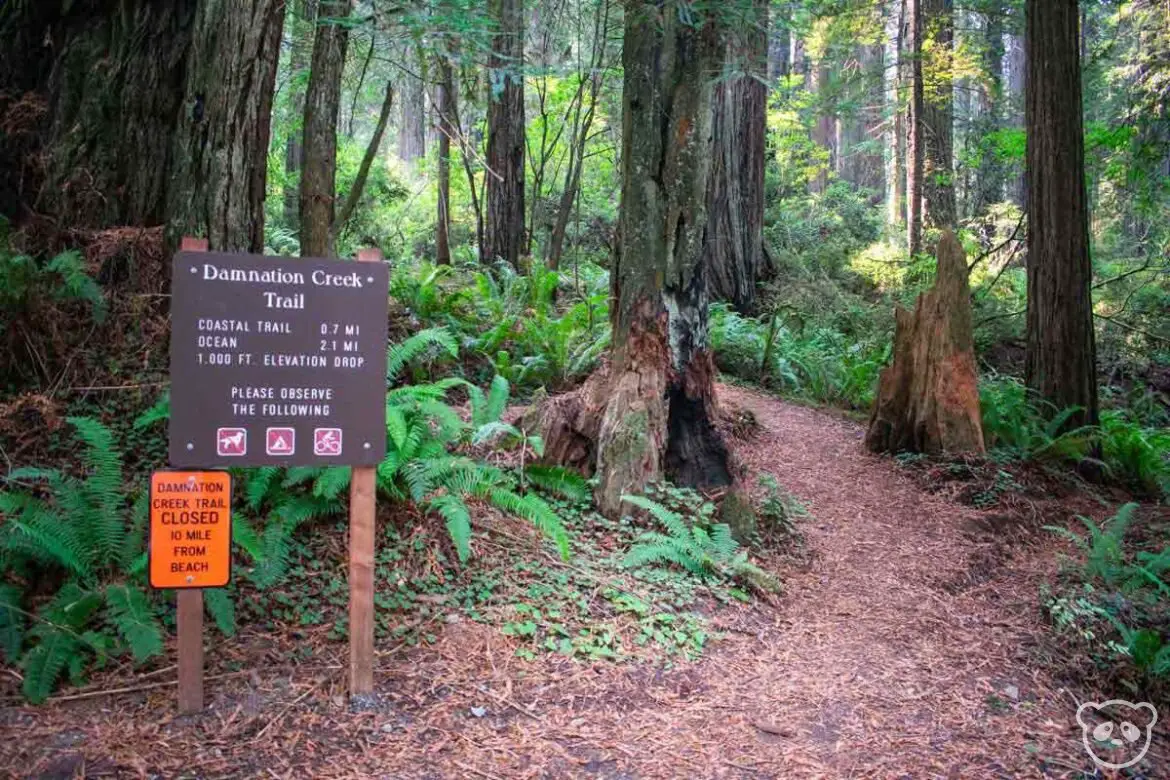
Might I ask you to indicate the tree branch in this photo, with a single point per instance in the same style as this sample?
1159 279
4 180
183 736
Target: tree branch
359 183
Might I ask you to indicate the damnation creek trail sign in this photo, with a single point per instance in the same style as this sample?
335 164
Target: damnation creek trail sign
277 361
274 362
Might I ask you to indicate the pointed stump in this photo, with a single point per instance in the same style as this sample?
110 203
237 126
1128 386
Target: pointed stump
928 398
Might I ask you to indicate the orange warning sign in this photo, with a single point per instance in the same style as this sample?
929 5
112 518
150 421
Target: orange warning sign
190 529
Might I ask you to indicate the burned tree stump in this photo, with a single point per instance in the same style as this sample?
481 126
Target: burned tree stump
928 398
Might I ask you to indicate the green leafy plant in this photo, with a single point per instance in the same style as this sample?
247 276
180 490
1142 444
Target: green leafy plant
90 533
1133 596
705 550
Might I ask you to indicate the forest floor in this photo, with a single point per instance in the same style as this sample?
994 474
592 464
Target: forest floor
909 643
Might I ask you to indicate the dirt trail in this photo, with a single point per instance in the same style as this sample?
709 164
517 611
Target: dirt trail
904 649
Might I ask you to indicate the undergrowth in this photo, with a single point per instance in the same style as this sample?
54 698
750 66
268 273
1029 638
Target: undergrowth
1113 599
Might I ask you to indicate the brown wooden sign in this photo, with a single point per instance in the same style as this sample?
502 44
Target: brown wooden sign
277 361
190 529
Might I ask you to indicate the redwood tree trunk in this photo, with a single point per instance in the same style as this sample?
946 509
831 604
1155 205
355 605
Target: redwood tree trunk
915 144
733 247
304 18
504 234
897 142
990 179
937 117
1061 358
217 185
660 401
318 178
412 129
824 131
82 142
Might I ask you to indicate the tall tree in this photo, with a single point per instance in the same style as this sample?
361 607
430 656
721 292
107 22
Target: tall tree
322 101
412 129
659 415
915 143
989 183
733 248
218 185
95 147
1061 358
445 121
938 187
896 83
304 14
504 230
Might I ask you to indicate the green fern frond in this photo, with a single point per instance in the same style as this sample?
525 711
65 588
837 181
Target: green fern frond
246 537
458 520
219 605
558 481
133 617
332 482
496 402
103 525
397 429
160 411
491 431
537 512
398 355
12 622
44 663
32 474
35 531
674 523
299 475
259 483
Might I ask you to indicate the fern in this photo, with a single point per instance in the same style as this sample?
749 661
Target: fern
558 481
76 283
133 617
44 663
12 622
1103 548
707 552
398 355
219 605
458 519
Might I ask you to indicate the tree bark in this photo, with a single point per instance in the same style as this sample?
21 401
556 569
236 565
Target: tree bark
322 101
446 111
217 185
733 246
303 25
89 102
915 127
990 178
1060 359
659 415
824 130
896 183
504 230
928 398
938 116
1017 69
412 129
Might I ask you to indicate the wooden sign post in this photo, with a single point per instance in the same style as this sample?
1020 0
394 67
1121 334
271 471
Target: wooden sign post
279 361
362 511
190 549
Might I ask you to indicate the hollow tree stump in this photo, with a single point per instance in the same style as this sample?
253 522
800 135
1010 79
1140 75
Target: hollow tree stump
928 398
